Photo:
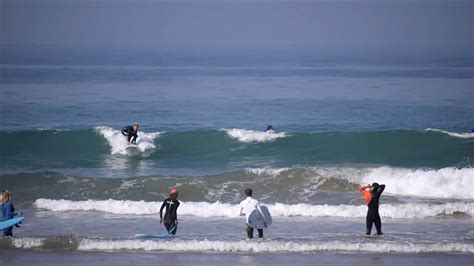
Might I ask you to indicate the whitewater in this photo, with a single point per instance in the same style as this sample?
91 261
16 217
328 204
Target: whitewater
225 210
271 246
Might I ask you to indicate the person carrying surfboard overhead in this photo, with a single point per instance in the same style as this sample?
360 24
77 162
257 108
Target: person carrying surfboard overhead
131 132
8 211
246 207
372 195
170 220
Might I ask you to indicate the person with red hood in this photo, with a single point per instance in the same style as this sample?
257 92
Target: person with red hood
372 195
170 219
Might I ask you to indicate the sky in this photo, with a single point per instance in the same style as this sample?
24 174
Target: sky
318 27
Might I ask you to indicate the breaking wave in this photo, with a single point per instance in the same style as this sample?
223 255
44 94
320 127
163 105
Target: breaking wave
270 246
217 209
293 185
118 143
462 135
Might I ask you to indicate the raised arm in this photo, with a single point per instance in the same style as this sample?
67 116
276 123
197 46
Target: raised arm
380 189
363 188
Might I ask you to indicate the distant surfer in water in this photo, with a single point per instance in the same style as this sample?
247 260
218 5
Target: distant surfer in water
372 195
246 207
131 132
269 128
8 211
170 220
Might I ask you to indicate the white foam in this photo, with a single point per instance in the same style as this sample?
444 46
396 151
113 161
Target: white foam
447 183
212 210
28 242
443 183
248 136
266 170
271 246
118 142
463 135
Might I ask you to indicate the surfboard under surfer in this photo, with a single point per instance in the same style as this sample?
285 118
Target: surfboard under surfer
131 132
170 219
372 195
246 207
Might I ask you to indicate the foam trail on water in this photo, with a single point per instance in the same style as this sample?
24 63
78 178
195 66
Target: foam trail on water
209 210
463 135
118 142
247 136
443 183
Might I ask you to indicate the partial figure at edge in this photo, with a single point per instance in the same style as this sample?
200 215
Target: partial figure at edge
8 211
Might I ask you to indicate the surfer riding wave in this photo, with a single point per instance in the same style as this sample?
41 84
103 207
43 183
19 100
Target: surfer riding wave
131 132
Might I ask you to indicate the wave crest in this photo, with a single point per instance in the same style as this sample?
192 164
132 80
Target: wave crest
462 135
443 183
118 143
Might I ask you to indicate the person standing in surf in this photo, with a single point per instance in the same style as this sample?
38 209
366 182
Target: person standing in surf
170 220
246 207
131 132
8 211
372 195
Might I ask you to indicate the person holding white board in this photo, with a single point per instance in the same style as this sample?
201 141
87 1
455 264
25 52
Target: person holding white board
249 208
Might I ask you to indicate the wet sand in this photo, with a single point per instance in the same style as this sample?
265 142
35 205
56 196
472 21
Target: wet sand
52 258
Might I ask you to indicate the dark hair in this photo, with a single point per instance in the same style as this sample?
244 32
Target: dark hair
248 192
375 185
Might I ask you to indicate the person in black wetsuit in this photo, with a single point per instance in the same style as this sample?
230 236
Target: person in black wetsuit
131 132
170 220
372 195
269 128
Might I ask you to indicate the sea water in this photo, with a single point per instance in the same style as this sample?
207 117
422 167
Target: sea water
337 126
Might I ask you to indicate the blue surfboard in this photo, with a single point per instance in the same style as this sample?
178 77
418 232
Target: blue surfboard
159 236
11 222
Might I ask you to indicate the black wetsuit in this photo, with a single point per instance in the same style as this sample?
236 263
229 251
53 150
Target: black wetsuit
373 216
130 133
170 215
250 232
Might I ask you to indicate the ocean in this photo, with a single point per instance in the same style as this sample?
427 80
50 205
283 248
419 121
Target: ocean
337 125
